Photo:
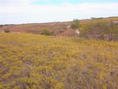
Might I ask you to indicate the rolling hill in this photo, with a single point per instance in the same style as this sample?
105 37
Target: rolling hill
59 28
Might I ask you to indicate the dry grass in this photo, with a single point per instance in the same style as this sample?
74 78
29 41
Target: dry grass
45 62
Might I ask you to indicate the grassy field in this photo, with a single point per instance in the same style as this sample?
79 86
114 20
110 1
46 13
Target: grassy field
45 62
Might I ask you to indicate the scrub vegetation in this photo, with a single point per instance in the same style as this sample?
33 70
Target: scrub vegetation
45 62
100 29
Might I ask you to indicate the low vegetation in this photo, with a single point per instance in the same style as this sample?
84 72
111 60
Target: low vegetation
100 30
6 30
94 28
97 28
46 32
75 24
45 62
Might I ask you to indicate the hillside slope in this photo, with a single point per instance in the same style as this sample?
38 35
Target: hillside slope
45 62
58 28
36 28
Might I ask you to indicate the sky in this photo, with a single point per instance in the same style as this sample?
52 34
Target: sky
40 11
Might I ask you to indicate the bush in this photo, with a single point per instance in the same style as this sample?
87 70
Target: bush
6 30
75 24
46 32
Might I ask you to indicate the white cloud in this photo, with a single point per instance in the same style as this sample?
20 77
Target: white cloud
15 2
28 13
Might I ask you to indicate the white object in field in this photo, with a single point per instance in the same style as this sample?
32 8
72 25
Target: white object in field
68 26
77 31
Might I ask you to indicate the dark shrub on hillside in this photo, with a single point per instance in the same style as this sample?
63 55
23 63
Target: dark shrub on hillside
46 32
6 30
75 24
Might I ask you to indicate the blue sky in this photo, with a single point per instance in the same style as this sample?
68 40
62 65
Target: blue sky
38 11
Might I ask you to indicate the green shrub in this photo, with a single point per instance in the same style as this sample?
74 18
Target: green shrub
75 24
46 32
6 30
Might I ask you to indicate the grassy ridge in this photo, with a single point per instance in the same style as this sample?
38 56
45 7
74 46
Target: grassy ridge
45 62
